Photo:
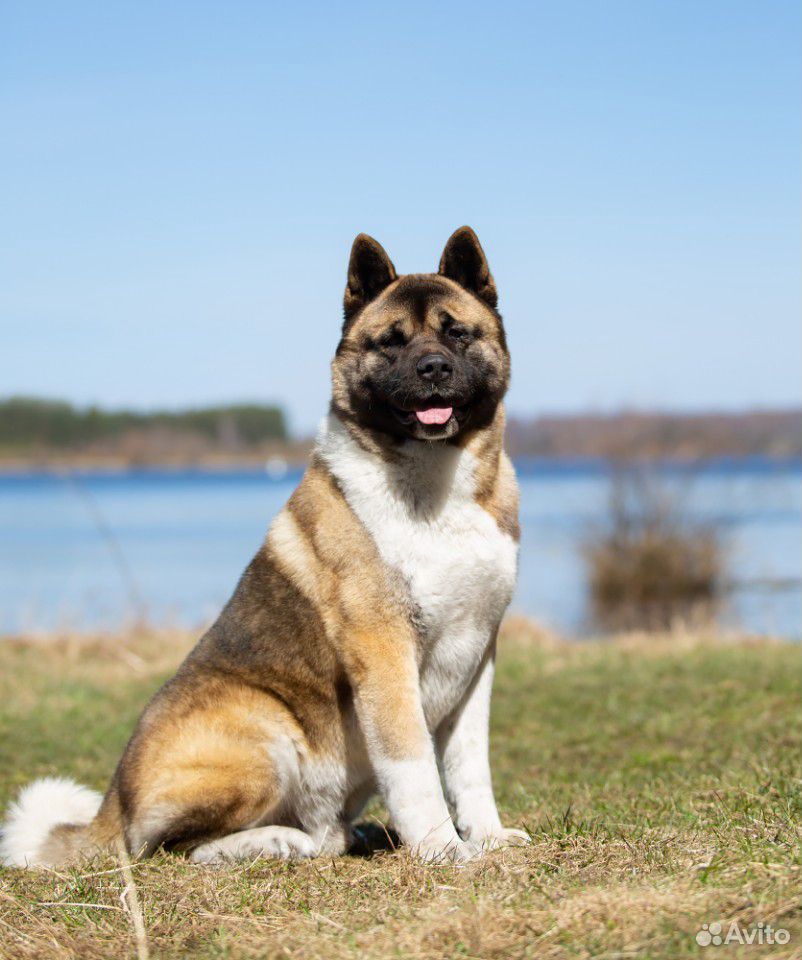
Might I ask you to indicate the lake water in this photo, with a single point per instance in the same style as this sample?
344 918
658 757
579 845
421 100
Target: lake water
74 551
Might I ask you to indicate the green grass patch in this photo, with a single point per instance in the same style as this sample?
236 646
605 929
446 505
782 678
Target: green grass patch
658 777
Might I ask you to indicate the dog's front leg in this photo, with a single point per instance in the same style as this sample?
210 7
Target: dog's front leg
401 752
463 747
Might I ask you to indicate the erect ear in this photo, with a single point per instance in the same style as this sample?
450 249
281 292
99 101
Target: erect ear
464 261
370 270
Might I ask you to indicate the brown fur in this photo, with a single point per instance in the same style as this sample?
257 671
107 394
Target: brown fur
319 631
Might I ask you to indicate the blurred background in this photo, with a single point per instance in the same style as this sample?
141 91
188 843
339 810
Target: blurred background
182 184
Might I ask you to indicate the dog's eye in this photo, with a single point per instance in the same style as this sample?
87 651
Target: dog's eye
393 338
460 334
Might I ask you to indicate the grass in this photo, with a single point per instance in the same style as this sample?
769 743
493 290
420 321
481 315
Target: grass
658 776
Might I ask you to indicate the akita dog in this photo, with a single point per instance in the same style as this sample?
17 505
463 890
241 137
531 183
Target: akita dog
357 651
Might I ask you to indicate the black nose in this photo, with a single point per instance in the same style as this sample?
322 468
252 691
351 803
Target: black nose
434 367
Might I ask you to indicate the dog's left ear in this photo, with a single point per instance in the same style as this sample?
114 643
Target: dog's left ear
370 270
464 261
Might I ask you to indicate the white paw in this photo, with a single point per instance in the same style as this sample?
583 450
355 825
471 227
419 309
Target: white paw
455 851
501 837
282 843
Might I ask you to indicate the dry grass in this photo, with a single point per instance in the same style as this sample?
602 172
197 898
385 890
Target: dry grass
651 566
658 777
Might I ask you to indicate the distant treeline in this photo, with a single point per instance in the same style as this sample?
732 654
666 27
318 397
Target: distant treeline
27 422
663 436
47 431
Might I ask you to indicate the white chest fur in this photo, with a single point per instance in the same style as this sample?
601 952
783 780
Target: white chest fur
458 566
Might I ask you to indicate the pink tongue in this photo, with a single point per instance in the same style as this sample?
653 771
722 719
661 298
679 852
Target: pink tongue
439 415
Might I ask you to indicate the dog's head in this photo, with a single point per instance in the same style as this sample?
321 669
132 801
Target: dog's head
422 356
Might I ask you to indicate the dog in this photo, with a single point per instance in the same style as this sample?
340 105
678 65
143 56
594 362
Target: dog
356 654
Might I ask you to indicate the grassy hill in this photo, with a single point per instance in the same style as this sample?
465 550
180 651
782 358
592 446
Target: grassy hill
658 777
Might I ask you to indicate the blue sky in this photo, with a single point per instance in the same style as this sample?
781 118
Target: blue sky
182 183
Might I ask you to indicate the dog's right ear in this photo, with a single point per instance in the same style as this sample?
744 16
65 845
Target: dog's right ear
370 270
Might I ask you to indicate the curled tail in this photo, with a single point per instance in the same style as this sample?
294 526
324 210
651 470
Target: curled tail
48 823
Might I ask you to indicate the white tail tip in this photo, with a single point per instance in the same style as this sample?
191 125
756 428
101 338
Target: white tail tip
39 807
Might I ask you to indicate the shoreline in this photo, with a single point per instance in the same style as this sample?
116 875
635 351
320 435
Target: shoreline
517 630
281 465
515 624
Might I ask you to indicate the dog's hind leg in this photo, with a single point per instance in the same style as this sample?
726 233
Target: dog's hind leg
214 763
283 843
